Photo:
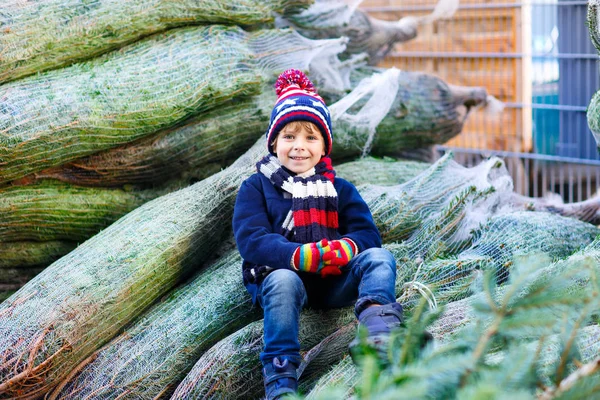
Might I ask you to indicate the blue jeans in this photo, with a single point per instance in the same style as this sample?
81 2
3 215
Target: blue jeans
368 278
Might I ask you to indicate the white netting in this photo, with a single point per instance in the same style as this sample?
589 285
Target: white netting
540 232
82 300
198 149
459 318
214 137
231 369
423 110
41 35
91 293
50 211
211 140
321 14
366 35
444 9
145 360
65 114
203 146
593 16
157 351
446 191
437 199
496 245
383 89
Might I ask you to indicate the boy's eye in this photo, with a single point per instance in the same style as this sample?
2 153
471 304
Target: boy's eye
312 138
288 136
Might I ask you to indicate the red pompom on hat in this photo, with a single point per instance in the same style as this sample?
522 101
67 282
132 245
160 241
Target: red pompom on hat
293 77
297 100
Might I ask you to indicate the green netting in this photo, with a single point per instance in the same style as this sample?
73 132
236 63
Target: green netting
496 245
592 22
539 289
377 171
26 254
50 211
424 110
205 143
436 208
593 117
154 354
231 369
144 361
43 35
82 300
65 114
216 137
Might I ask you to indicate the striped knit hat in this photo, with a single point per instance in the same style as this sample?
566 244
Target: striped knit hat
297 100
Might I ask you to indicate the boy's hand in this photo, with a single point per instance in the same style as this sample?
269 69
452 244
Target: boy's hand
342 251
309 258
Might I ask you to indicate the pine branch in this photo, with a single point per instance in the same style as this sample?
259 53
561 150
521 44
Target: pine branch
564 357
567 383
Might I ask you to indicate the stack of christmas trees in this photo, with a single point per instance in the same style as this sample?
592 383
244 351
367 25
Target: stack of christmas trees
127 129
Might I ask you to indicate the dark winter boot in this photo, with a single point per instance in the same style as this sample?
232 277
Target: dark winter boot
280 378
379 323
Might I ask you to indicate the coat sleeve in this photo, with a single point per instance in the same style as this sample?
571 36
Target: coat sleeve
356 221
256 241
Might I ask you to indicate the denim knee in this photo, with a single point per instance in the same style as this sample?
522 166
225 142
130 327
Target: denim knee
378 278
377 258
283 286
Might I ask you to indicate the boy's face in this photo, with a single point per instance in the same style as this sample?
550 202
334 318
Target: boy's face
298 148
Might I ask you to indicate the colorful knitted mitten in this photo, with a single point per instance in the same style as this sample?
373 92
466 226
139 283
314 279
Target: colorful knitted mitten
342 251
309 258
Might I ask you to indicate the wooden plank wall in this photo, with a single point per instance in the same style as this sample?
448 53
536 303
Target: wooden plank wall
472 31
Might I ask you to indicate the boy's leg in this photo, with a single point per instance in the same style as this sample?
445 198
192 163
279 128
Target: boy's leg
370 281
282 296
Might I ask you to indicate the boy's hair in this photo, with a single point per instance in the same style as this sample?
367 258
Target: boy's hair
295 126
298 101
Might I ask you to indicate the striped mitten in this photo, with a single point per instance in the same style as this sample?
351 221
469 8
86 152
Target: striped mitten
309 258
342 251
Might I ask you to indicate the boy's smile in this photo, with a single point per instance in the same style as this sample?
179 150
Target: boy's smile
299 147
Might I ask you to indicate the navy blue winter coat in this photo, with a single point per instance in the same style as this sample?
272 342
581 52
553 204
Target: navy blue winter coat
260 210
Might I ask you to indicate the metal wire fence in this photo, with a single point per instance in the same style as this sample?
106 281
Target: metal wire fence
535 56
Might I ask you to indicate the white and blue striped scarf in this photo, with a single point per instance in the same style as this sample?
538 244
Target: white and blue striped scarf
314 213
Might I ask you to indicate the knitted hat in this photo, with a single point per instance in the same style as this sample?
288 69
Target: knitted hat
297 100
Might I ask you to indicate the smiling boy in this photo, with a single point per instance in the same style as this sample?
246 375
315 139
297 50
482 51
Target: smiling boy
307 238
